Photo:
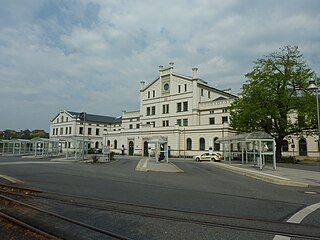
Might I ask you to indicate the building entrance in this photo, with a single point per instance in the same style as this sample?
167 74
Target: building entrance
131 148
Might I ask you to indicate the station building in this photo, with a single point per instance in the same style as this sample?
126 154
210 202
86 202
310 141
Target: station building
184 111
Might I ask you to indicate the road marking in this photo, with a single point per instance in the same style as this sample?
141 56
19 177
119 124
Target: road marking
10 179
298 217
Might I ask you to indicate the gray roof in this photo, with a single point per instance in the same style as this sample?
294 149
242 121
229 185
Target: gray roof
96 118
244 137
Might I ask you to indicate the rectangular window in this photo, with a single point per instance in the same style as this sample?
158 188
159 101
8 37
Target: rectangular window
179 88
153 124
69 130
202 92
211 111
154 93
185 122
80 130
153 110
179 122
148 111
148 94
165 108
211 121
165 123
53 131
130 126
179 107
224 119
185 87
97 131
138 125
185 106
208 94
224 110
61 131
66 132
89 131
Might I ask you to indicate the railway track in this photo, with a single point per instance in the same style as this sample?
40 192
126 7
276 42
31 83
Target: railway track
41 198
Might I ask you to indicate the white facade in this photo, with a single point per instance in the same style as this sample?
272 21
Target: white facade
67 124
185 110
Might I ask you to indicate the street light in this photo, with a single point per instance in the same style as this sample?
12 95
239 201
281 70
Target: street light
83 115
314 87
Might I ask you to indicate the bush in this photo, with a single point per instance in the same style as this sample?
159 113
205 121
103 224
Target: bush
289 159
95 159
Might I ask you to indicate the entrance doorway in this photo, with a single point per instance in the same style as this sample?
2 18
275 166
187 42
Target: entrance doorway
145 149
131 148
302 147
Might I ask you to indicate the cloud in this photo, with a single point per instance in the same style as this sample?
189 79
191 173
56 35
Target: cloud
91 55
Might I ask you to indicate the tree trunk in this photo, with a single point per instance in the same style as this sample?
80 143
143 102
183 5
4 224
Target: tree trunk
279 141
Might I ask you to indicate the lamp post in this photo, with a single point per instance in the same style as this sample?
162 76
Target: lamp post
83 115
314 87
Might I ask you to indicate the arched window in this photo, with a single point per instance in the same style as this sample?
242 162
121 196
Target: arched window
96 145
302 147
216 145
285 146
189 144
115 145
108 143
202 144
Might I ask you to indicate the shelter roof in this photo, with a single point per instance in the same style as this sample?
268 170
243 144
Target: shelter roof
244 137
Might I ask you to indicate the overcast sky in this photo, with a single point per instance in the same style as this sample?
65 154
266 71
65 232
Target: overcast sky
91 55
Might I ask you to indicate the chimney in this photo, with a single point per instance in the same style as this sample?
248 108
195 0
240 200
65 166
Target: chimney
160 68
142 85
194 73
171 64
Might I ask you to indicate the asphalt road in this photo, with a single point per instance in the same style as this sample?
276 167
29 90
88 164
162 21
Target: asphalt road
201 188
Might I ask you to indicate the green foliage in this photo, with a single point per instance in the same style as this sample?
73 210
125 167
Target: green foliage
275 90
24 134
39 133
95 159
111 155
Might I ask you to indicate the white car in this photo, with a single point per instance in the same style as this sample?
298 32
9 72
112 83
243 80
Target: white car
208 157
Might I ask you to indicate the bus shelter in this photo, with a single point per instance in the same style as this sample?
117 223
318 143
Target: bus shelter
75 147
44 147
16 146
255 147
160 147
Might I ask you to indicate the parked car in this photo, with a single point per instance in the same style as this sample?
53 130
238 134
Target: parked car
94 151
208 157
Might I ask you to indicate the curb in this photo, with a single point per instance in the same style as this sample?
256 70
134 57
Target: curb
143 167
262 176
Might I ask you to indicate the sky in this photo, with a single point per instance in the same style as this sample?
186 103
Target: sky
90 55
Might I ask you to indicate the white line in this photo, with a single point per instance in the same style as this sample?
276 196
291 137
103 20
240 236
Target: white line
279 237
10 179
298 217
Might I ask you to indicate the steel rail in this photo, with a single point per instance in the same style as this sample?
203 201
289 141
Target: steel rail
28 226
108 233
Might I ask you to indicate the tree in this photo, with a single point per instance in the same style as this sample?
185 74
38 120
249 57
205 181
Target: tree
274 98
39 133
